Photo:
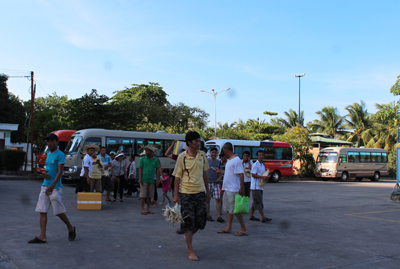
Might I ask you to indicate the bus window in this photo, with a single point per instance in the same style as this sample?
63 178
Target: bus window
278 153
127 145
287 154
254 151
343 158
269 153
327 157
240 149
384 157
73 145
354 157
365 157
376 157
92 140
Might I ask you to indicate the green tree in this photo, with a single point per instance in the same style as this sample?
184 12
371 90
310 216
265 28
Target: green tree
292 119
359 121
12 111
330 122
395 89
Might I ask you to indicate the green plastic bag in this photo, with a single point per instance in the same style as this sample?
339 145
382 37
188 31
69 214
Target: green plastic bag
241 204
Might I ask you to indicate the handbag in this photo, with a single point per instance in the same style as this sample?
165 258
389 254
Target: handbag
241 204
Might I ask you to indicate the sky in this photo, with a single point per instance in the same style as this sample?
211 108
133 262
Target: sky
348 50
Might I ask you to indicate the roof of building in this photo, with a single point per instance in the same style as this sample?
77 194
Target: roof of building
326 140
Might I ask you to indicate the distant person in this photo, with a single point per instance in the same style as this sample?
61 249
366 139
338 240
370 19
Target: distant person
190 181
51 191
233 184
147 165
157 179
213 182
165 186
95 178
118 172
257 191
105 177
246 162
87 166
131 171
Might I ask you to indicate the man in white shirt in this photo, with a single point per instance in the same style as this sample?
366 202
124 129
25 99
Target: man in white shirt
233 184
87 166
256 191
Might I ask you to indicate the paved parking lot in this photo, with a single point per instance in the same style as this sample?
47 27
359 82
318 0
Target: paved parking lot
315 224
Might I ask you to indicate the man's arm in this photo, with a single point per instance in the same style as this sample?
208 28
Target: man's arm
158 174
241 190
50 189
140 174
87 175
169 150
205 178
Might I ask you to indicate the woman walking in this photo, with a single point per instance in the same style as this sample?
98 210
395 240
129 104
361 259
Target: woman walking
118 172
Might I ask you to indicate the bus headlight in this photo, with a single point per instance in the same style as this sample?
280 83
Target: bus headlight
73 169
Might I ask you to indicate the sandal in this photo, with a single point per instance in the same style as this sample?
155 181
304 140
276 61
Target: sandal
220 219
223 232
241 234
36 240
254 218
72 235
266 219
209 218
179 231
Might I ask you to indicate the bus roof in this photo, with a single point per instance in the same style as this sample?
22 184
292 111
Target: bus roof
131 134
345 149
250 143
64 135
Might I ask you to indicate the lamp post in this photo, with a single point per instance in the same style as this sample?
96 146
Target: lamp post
214 93
299 76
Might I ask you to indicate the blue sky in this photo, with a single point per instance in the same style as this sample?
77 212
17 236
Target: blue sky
349 51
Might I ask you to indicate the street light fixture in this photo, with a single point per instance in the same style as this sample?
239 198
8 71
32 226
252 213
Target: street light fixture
214 93
299 76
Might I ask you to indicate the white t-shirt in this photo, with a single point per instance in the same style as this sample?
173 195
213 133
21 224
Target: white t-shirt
246 179
257 168
87 162
233 169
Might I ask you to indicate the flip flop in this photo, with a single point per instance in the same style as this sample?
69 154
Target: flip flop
241 234
36 240
149 212
266 219
223 232
72 235
143 213
254 218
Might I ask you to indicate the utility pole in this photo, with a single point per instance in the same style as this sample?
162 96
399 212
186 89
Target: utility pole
299 76
33 89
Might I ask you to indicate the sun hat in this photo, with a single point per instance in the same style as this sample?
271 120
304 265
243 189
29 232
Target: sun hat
91 146
150 147
112 153
119 155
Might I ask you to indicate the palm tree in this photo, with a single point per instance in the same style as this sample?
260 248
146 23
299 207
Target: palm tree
292 119
359 120
385 126
330 122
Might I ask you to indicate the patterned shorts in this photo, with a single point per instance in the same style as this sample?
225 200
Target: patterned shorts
194 211
214 190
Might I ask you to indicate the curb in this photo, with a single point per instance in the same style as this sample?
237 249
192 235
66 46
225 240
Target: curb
6 262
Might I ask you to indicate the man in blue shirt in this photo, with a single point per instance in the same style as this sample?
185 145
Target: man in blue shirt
105 177
51 191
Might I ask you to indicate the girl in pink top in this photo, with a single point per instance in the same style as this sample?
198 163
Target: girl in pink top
165 186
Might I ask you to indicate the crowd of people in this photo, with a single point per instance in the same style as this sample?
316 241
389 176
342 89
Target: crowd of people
195 179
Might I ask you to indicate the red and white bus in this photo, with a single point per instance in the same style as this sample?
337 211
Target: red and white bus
278 155
63 138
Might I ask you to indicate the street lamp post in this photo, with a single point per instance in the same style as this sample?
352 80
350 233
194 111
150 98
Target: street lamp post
214 93
299 76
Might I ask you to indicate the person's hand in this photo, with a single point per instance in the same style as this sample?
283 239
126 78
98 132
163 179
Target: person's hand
170 189
218 180
176 199
217 170
49 190
88 181
45 175
140 182
265 177
241 191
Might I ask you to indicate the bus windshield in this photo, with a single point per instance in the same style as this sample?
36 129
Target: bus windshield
73 145
327 157
44 148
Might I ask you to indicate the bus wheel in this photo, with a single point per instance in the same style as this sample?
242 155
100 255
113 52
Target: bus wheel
344 177
376 177
275 176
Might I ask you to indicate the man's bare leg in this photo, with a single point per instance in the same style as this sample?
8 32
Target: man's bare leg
242 225
108 195
251 213
188 239
228 228
208 209
65 219
219 207
142 205
148 204
262 213
43 224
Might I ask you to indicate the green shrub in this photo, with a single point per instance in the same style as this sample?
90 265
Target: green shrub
11 160
392 163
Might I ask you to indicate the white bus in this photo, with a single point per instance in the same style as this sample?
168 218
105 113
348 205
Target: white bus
345 163
116 140
278 155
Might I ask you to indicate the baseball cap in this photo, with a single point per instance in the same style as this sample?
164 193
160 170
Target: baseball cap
52 136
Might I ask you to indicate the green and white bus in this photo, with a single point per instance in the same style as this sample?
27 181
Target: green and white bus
345 163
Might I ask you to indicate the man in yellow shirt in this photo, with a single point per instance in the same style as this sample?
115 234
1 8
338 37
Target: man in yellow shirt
190 181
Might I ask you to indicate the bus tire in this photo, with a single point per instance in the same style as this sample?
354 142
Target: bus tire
344 177
275 177
376 176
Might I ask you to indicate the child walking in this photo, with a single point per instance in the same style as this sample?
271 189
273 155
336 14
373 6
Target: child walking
165 186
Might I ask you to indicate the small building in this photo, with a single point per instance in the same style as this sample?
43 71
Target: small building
5 139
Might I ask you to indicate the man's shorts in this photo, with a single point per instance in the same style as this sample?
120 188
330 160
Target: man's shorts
193 210
107 183
214 190
147 190
228 201
55 199
257 200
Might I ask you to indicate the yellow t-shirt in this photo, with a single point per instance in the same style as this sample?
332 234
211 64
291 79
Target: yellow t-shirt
190 171
96 171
